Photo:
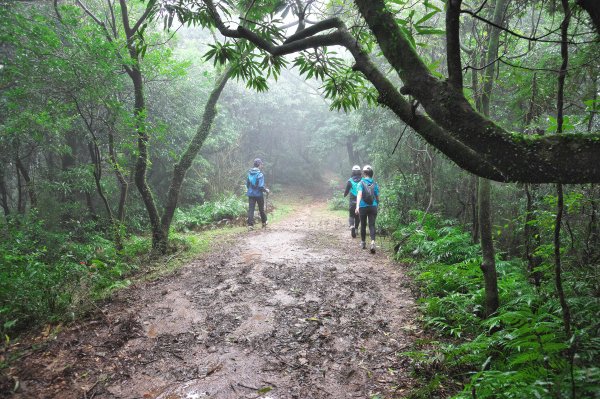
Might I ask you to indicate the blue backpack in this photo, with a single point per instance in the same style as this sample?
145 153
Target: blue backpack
253 179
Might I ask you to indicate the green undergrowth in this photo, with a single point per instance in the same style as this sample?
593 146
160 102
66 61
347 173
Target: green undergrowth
338 202
227 210
520 352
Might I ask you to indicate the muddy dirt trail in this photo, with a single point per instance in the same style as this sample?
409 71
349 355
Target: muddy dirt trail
293 311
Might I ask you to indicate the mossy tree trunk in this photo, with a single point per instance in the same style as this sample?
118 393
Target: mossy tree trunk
159 241
181 167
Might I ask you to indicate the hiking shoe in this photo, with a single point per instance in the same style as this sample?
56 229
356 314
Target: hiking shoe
353 231
264 225
363 245
251 227
372 247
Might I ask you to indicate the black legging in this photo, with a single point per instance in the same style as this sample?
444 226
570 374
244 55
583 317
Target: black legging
369 212
252 201
353 218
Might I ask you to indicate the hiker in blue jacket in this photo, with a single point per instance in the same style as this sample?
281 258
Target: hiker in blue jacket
255 183
366 206
352 189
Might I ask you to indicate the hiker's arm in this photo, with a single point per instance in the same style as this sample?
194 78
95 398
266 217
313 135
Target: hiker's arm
348 187
261 184
358 198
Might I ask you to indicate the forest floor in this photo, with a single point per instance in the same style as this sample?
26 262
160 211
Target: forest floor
296 310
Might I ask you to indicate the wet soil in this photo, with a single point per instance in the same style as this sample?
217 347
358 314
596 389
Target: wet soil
296 310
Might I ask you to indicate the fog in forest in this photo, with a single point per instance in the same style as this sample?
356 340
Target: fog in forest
299 198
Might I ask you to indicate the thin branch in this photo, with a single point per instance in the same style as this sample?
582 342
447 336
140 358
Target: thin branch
113 20
484 66
544 69
106 32
96 20
56 10
125 18
144 16
481 7
248 10
534 39
168 40
399 138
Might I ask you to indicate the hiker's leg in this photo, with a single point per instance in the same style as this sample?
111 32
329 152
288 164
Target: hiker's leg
363 224
261 209
251 205
372 217
356 219
351 214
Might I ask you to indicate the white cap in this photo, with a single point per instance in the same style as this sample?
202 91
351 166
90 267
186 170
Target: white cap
356 167
367 167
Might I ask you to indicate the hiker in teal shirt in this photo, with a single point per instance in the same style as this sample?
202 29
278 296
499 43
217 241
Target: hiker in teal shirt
352 189
366 206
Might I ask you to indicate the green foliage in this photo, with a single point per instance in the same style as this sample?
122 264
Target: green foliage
522 351
396 202
430 238
338 202
47 275
227 208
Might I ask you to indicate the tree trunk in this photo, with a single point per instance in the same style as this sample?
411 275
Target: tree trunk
159 241
474 187
97 162
488 266
4 192
474 208
20 199
124 186
593 9
181 168
532 233
90 205
564 50
28 182
353 156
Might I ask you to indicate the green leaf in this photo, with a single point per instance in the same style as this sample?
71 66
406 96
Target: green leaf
426 17
429 31
265 390
409 36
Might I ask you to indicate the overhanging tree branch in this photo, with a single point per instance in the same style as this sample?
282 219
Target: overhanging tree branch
519 158
472 141
388 94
